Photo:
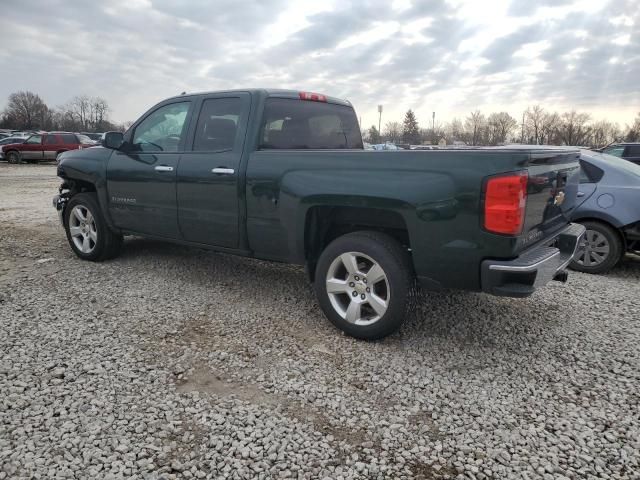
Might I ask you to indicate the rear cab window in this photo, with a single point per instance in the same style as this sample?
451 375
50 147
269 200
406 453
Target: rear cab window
290 123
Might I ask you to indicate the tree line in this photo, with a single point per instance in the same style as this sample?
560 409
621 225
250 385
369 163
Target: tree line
82 113
538 127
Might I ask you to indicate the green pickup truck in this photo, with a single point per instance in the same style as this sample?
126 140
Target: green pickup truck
282 175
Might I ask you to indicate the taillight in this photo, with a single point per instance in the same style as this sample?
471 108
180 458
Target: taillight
314 97
505 199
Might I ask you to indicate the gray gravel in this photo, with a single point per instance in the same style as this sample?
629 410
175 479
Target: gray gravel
170 362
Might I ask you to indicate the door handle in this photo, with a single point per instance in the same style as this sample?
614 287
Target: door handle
580 194
163 168
223 171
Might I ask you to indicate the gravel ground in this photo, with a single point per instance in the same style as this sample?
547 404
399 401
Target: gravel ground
171 362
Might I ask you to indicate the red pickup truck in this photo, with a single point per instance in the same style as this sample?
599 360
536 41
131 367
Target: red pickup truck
46 146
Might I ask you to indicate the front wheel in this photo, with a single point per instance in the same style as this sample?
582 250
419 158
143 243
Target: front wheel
363 282
13 157
87 231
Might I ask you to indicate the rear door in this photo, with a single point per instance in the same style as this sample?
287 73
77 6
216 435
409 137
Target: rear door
52 146
208 181
141 178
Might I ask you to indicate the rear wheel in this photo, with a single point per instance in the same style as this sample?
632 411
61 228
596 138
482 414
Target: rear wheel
13 157
363 282
600 249
87 232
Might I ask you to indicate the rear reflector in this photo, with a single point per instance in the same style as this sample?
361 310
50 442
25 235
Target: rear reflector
314 97
505 200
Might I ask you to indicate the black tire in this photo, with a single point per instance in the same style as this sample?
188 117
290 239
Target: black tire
107 243
395 263
13 157
604 235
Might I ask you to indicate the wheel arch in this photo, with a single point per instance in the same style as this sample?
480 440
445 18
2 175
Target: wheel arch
323 224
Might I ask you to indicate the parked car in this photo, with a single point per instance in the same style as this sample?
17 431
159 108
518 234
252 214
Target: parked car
609 207
282 175
42 147
96 137
629 151
8 140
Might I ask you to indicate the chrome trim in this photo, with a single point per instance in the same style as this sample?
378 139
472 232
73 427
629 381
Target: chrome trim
524 268
163 168
223 171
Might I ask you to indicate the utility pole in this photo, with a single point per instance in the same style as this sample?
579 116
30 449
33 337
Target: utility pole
379 119
522 136
433 122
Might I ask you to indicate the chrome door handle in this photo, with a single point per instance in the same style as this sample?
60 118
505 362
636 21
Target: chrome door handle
163 168
223 171
580 194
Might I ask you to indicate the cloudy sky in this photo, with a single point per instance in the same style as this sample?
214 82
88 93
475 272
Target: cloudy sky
447 56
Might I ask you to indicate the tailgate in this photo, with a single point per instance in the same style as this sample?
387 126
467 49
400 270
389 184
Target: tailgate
551 193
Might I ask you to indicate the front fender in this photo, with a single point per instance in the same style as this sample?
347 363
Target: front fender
88 166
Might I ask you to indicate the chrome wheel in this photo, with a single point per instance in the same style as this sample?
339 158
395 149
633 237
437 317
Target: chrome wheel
358 288
82 227
593 250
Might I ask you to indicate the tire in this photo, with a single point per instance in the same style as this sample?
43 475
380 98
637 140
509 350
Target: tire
87 232
363 307
600 250
13 157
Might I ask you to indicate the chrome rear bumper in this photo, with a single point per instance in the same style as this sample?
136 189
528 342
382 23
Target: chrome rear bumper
534 267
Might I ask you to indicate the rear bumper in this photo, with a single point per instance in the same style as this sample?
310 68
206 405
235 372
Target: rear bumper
534 267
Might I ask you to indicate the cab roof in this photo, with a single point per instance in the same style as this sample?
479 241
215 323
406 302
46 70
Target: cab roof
270 93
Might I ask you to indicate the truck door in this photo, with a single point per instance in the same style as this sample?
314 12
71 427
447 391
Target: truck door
141 177
31 149
208 183
51 146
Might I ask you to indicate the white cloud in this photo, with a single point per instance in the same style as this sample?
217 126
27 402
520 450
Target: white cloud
448 56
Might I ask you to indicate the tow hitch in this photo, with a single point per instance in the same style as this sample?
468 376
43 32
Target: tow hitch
561 276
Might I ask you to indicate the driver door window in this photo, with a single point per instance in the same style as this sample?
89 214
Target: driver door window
34 140
163 130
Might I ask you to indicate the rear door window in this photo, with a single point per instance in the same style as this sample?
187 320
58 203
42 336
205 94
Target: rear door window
51 140
299 124
217 124
69 138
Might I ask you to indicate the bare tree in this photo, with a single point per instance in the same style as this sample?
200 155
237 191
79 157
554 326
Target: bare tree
26 110
603 133
393 131
454 131
548 134
534 123
573 128
475 124
499 126
633 131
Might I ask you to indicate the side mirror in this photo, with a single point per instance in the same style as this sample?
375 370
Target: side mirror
113 140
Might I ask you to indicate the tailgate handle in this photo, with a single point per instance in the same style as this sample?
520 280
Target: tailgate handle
163 168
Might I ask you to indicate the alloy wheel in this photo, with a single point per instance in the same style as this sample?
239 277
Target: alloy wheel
358 288
82 228
593 250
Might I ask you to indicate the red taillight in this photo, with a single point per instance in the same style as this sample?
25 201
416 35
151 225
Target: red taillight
505 200
314 97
